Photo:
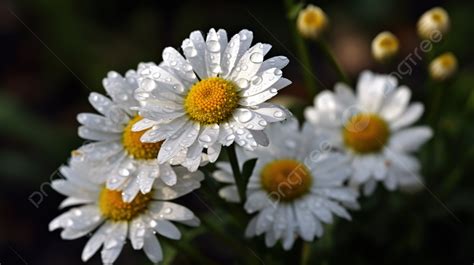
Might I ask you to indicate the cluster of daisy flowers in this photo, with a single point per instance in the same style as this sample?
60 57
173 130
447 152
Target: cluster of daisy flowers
159 124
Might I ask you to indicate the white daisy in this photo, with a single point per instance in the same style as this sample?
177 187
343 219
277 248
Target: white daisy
133 166
297 185
372 127
213 96
95 206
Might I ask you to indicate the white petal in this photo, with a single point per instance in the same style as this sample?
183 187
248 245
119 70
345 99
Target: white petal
411 139
194 49
153 249
344 94
137 233
260 83
213 151
411 115
259 98
260 137
168 175
95 135
249 63
278 62
396 104
166 228
230 193
305 221
271 112
96 241
256 201
175 61
371 90
249 119
170 211
114 242
209 135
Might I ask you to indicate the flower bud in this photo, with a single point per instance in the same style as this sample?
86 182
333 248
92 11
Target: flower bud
433 20
385 46
443 66
311 22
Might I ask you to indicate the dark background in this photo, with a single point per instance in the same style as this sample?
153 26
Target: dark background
54 52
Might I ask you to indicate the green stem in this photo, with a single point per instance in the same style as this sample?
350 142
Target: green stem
305 253
435 104
303 54
239 181
324 46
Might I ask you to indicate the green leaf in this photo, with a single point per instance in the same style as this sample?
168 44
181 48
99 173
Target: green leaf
247 169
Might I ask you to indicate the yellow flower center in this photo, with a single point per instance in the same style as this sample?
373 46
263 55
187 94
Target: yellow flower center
388 42
114 208
286 179
366 133
211 100
134 147
447 60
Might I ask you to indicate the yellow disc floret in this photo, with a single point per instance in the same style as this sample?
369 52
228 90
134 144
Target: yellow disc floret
286 179
136 148
366 133
114 208
211 100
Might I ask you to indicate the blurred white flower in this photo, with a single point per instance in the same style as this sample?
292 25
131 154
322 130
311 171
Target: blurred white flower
311 22
372 127
297 185
443 66
215 96
133 166
385 46
432 21
141 220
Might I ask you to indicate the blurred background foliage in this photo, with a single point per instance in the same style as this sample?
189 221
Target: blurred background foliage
55 52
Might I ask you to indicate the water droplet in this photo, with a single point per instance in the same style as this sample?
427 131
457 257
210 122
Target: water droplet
243 83
256 80
188 67
190 51
240 131
213 46
278 114
168 210
277 72
230 137
124 172
262 123
256 57
244 115
205 138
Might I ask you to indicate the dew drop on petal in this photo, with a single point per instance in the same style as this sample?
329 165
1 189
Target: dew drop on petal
243 83
244 115
278 114
256 80
256 57
213 46
205 138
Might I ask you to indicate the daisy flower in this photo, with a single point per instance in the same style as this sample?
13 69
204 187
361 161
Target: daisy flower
216 95
372 127
296 185
133 166
102 213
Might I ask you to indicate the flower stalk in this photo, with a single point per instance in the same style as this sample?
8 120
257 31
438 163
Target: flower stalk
239 180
